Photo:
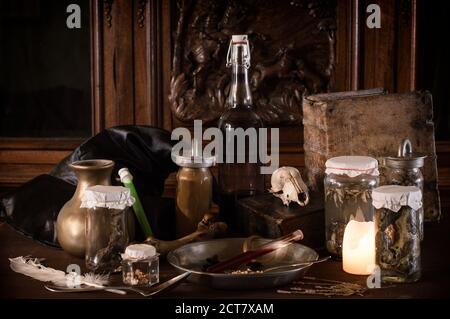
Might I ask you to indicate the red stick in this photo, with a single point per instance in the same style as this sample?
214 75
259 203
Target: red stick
248 256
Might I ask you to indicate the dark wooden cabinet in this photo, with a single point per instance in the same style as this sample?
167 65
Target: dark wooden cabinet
139 48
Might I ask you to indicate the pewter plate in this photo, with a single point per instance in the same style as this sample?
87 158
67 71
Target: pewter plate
192 257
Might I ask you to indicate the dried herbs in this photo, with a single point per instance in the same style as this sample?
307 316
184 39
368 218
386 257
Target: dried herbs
141 273
398 244
249 268
408 177
335 236
324 287
340 195
107 237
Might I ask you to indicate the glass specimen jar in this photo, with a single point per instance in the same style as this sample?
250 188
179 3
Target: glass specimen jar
404 170
348 184
140 265
194 189
106 226
397 237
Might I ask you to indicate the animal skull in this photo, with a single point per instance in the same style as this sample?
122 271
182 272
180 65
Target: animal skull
287 184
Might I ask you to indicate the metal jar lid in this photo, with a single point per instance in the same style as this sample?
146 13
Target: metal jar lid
405 157
195 159
193 162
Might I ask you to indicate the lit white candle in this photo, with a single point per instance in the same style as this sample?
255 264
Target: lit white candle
358 251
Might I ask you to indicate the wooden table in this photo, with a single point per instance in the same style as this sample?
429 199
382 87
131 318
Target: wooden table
435 282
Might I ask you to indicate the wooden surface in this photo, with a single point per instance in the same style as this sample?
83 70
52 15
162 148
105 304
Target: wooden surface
435 282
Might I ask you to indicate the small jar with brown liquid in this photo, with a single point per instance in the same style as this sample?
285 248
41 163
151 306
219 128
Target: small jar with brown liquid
194 191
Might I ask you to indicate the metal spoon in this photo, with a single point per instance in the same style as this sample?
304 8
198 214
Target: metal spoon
116 289
146 293
297 265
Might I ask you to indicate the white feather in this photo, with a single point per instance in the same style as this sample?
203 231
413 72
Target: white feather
33 268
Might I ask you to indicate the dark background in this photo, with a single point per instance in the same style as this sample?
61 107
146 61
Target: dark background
45 87
434 60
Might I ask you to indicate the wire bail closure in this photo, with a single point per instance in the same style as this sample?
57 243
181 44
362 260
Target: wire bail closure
239 40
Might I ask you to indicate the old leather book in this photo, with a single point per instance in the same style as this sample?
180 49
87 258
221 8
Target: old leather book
373 123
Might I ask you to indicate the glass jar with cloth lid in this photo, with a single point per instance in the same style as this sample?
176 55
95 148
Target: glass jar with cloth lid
140 265
405 169
107 226
348 184
397 232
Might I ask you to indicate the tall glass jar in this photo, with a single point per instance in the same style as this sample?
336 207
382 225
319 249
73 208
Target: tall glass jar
107 226
404 169
397 237
348 183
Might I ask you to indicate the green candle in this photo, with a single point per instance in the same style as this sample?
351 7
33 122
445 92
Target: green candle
127 180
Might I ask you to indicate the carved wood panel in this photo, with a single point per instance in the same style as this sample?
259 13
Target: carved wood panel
293 53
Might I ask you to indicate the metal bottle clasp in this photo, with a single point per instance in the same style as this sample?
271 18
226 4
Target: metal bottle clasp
239 40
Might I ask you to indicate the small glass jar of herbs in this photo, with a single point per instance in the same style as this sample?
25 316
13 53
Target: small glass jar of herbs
397 232
107 226
348 184
140 265
405 169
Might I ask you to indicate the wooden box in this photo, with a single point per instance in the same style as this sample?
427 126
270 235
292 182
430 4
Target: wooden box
266 216
371 123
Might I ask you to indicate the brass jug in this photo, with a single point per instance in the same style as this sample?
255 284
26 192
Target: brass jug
71 222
